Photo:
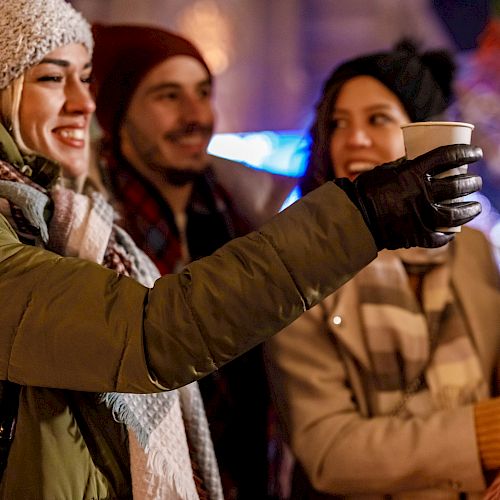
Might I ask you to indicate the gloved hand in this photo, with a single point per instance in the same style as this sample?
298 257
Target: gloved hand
401 201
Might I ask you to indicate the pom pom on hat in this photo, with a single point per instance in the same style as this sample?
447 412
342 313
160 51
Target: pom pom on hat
30 29
123 55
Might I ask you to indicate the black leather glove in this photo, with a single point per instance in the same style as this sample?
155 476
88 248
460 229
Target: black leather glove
402 203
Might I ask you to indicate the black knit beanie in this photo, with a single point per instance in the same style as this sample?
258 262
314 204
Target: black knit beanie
423 82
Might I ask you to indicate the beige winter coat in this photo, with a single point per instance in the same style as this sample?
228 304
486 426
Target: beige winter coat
324 397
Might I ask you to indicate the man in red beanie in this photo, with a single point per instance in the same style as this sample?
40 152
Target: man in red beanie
154 104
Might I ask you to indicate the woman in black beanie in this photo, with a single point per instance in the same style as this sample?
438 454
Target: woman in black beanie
384 390
421 82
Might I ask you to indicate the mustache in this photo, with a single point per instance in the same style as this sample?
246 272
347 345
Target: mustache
190 128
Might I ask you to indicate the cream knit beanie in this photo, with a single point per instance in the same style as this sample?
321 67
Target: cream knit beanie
30 29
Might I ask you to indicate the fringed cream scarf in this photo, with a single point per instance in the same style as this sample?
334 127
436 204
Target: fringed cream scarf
422 357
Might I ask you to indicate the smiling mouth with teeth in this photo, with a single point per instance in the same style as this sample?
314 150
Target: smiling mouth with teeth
74 133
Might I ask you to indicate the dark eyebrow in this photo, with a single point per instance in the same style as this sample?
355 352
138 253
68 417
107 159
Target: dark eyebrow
383 107
173 86
162 86
61 62
373 107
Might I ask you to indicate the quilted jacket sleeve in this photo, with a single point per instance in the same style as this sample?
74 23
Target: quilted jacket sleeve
71 324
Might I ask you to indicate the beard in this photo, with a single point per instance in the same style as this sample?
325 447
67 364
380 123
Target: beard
148 154
181 177
176 175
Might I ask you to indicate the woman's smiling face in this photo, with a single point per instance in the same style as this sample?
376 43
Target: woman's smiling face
366 122
56 108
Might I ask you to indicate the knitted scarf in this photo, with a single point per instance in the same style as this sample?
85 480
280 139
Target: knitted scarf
421 355
167 430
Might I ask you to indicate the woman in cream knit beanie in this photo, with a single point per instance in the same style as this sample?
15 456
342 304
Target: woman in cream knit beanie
32 31
58 443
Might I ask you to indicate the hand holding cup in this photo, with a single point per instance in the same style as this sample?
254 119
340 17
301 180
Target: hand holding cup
421 137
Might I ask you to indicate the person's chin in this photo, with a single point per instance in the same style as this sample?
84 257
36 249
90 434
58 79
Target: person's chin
194 162
74 167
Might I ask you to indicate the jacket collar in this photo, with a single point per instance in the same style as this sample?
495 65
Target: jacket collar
39 169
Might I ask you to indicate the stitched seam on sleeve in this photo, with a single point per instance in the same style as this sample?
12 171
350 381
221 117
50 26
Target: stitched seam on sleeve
288 270
186 291
24 314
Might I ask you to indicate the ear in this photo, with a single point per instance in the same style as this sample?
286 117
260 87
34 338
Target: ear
126 145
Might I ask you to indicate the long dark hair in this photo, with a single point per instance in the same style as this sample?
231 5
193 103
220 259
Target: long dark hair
319 167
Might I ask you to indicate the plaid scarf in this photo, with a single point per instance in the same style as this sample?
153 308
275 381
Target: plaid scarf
18 191
212 219
421 355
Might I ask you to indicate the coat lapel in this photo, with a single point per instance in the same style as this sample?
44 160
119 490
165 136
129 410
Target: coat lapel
479 299
346 325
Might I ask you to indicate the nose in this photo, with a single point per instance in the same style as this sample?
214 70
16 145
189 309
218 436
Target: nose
195 110
358 136
79 99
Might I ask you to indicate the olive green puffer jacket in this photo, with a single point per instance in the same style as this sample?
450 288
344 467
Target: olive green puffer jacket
69 325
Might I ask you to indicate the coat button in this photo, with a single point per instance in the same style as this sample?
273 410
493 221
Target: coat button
454 485
337 320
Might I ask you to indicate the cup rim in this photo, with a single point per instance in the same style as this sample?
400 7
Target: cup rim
439 124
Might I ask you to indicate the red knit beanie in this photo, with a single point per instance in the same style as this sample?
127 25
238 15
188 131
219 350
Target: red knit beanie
123 55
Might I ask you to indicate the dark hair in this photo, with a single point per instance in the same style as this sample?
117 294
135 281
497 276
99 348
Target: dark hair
422 82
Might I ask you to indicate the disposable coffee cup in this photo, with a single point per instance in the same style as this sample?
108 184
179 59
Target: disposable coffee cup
421 137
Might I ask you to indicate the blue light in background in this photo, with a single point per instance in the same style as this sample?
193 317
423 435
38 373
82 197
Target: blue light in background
292 197
278 152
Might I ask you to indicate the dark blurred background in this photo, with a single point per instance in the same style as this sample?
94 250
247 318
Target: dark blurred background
271 56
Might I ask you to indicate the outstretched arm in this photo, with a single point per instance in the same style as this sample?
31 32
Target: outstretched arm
83 327
74 325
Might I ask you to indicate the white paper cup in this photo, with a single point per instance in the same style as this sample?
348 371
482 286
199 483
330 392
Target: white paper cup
421 137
